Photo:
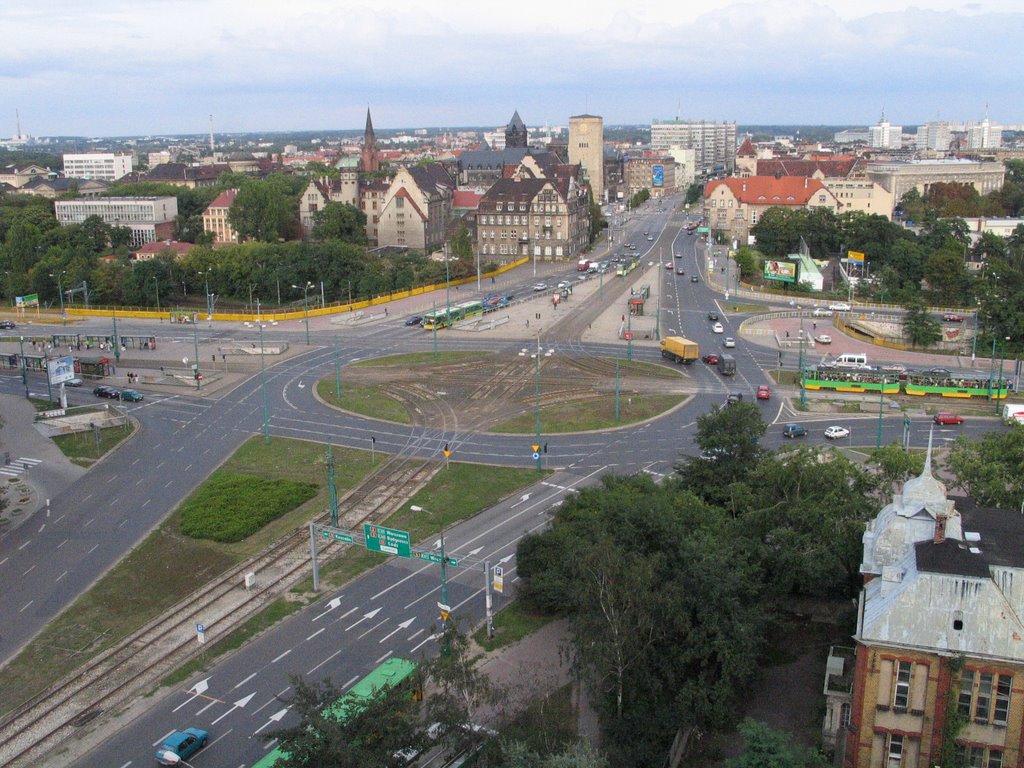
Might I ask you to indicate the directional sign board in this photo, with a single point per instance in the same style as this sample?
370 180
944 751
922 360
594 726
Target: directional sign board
338 536
387 540
499 579
433 557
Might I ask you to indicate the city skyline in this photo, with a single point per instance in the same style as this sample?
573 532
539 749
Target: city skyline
112 69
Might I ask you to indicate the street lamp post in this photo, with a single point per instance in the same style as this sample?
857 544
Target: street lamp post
206 284
444 569
800 373
881 398
60 291
21 358
195 341
156 282
999 381
305 304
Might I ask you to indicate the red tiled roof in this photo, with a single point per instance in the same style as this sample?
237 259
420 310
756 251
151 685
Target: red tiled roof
746 149
768 190
832 168
224 199
465 198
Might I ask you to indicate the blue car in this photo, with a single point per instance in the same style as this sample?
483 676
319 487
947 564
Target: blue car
181 745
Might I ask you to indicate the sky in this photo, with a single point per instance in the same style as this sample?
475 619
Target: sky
137 67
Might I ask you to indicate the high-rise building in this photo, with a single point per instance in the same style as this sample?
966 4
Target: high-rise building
984 135
586 148
883 135
935 135
714 144
108 166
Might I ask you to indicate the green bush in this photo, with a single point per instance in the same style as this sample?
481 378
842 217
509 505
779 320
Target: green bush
232 505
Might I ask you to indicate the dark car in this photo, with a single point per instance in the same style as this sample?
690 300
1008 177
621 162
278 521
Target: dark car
694 279
7 324
680 271
951 318
105 391
794 430
710 359
131 395
713 317
414 320
734 397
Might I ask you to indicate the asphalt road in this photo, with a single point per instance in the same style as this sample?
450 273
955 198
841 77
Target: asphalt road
392 609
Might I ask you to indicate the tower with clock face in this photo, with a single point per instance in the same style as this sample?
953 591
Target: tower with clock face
586 147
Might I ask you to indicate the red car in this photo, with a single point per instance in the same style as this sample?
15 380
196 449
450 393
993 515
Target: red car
764 393
944 417
710 359
951 318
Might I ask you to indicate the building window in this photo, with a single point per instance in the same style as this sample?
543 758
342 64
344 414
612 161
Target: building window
966 692
498 206
399 202
983 699
894 752
901 691
1001 710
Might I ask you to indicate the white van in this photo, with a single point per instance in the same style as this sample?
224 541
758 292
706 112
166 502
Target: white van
851 360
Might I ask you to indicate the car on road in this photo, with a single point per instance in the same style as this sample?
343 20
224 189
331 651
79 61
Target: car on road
734 397
949 317
729 342
823 339
131 395
538 287
414 320
105 391
680 271
710 359
894 368
668 265
835 432
564 284
794 430
75 382
840 306
821 312
694 279
7 324
713 317
945 417
764 392
650 238
717 328
181 745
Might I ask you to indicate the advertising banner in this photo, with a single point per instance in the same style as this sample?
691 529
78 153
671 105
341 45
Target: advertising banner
657 175
61 369
783 271
855 256
24 302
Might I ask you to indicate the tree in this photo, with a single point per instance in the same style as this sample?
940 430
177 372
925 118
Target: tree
371 734
989 469
728 441
764 747
694 193
919 327
947 277
747 261
340 221
263 211
597 219
462 245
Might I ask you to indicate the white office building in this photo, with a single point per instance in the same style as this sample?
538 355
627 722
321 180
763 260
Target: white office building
885 136
936 135
107 166
714 144
148 218
984 135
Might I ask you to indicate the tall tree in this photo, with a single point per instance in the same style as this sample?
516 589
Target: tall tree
728 440
263 211
989 469
340 221
765 747
919 327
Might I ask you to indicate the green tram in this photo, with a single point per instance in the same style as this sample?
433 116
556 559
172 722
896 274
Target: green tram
448 316
389 673
941 382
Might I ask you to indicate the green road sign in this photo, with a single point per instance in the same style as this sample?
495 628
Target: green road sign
338 536
703 230
387 540
434 558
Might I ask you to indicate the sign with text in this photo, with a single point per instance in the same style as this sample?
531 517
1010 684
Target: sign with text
783 271
499 579
657 175
61 369
855 256
387 540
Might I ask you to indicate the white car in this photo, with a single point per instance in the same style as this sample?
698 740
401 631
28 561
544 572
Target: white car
823 339
564 284
840 306
822 312
730 342
717 328
538 287
836 432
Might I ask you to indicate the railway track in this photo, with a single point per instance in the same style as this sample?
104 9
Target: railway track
110 679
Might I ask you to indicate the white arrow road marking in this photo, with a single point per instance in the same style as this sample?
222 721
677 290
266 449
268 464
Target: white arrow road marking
473 552
237 705
196 690
274 718
404 625
369 615
525 497
430 638
506 559
330 607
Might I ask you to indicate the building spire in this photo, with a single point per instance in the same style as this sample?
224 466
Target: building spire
370 161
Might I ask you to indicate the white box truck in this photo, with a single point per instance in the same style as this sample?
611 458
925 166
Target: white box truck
1013 413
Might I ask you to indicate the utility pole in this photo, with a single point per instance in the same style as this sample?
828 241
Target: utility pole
800 373
263 386
330 483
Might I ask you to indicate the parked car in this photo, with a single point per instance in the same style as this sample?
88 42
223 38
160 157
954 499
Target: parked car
538 287
822 312
836 432
717 328
713 317
105 391
840 306
181 745
131 395
823 339
945 417
729 342
414 320
7 324
951 318
710 359
794 430
764 392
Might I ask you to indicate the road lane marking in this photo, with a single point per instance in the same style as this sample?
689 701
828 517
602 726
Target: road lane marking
250 677
281 656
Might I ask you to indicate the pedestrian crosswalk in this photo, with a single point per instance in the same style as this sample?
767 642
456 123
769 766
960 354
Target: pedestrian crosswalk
17 467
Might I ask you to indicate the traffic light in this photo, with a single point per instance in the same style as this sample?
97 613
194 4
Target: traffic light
545 447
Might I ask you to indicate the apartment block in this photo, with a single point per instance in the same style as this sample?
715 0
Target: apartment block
714 144
148 218
107 166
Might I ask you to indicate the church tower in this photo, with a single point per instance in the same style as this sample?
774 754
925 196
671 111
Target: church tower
370 161
515 133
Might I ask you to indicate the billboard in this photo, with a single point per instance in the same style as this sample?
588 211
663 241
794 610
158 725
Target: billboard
784 271
657 175
23 302
61 369
855 256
